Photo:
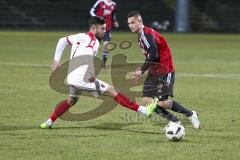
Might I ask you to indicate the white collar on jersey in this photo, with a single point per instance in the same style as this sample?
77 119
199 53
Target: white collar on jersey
108 3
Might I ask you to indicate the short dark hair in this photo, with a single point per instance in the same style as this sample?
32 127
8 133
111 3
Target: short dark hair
95 21
133 14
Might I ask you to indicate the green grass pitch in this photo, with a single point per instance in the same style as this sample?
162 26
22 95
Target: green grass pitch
207 80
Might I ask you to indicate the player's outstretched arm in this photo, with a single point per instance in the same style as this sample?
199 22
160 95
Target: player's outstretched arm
58 53
55 65
136 76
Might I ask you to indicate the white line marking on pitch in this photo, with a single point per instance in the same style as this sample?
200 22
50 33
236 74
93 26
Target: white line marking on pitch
24 65
209 75
178 74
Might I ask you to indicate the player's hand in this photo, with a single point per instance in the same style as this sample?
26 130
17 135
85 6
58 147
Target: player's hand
136 76
138 72
55 65
116 24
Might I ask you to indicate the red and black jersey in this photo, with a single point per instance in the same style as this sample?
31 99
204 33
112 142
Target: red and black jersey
157 52
107 10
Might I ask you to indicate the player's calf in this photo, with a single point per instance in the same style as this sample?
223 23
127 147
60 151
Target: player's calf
60 109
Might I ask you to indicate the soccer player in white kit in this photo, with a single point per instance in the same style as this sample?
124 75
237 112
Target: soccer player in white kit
83 78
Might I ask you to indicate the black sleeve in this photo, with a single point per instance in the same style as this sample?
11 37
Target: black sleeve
151 47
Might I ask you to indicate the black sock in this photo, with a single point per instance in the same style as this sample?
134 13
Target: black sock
164 113
174 106
104 57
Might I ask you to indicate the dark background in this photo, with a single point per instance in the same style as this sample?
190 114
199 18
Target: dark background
206 15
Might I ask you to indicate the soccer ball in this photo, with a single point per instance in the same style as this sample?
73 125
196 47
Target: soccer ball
175 131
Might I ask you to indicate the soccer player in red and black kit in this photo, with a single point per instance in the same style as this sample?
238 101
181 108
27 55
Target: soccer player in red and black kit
105 9
161 73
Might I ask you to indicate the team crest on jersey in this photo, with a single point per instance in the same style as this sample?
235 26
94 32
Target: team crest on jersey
112 8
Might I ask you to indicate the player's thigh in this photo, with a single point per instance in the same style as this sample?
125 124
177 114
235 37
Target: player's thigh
160 86
163 103
150 86
98 86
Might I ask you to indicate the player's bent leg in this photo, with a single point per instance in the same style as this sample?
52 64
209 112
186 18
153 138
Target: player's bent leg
63 106
161 108
164 113
192 115
176 107
60 109
164 104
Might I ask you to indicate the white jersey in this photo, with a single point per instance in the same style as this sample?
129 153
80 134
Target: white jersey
81 67
83 44
84 48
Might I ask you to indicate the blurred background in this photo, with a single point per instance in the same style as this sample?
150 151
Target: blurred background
163 15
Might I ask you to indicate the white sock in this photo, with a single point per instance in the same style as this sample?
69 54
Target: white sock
142 110
49 122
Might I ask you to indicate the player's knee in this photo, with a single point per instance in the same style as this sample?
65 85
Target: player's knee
163 104
112 90
72 100
105 43
147 100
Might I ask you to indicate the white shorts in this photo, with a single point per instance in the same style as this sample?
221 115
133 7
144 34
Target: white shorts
94 87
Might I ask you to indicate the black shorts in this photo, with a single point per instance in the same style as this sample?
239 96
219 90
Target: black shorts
160 86
107 36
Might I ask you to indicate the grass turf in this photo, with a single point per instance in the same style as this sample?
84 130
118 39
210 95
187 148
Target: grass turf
207 80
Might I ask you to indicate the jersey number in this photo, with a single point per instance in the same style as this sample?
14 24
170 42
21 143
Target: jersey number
91 44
